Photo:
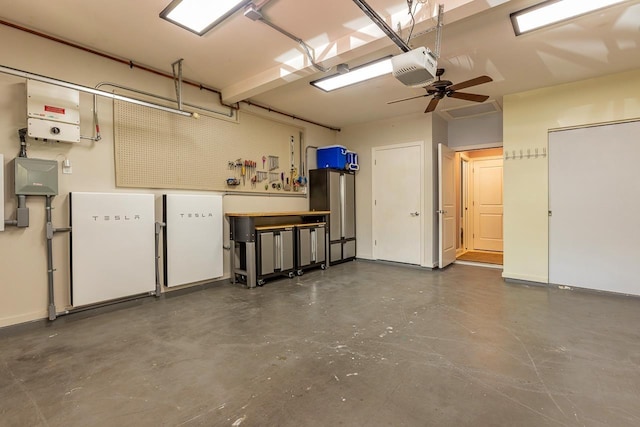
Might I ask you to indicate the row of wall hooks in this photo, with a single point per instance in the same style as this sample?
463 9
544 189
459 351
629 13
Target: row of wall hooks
528 154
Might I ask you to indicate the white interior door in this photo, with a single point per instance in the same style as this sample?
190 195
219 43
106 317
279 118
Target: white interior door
446 206
397 200
487 209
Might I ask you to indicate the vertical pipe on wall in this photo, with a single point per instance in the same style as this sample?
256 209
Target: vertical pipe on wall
50 270
159 226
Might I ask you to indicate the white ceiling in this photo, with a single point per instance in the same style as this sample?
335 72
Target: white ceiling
248 60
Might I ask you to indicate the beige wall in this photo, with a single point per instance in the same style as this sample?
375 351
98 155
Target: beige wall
23 272
361 139
528 117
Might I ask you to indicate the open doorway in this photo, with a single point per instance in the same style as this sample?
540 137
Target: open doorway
479 207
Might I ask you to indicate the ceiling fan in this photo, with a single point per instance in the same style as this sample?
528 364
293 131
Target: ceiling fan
441 88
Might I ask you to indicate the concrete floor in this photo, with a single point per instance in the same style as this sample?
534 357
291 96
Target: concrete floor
361 344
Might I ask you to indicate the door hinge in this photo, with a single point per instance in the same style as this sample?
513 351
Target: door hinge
550 213
375 243
375 203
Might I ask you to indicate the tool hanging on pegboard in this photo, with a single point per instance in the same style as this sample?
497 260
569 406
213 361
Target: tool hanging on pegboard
261 175
274 163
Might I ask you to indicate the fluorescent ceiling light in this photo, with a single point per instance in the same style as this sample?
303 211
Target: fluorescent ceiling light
553 11
200 16
358 74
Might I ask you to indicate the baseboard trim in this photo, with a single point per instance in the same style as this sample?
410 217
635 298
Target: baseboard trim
526 278
397 264
525 282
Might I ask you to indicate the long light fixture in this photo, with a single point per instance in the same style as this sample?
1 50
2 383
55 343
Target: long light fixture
200 16
554 11
358 74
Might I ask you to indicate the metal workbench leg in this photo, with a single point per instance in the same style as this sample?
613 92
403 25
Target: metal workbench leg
250 262
232 260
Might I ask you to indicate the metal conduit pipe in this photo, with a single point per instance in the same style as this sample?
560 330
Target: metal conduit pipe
81 88
301 42
22 212
439 30
178 82
306 155
152 95
96 123
252 12
131 64
260 4
103 304
159 227
273 110
50 270
381 23
127 62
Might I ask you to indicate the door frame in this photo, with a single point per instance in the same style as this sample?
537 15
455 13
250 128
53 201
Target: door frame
374 152
466 196
470 178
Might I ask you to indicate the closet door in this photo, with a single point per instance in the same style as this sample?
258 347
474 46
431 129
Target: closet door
594 206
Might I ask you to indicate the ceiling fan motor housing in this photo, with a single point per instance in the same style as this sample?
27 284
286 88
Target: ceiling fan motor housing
415 68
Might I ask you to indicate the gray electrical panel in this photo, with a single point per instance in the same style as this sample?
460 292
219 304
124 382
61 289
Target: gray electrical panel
36 177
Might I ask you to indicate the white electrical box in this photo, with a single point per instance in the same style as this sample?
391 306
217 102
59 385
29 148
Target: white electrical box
53 112
2 192
53 131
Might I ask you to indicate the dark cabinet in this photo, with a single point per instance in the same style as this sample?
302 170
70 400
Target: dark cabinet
275 251
311 244
335 190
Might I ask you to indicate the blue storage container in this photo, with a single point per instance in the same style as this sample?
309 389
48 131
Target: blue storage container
332 156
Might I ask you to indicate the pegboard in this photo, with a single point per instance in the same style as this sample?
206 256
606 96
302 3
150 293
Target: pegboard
157 149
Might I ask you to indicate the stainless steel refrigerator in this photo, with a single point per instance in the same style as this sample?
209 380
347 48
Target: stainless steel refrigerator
335 190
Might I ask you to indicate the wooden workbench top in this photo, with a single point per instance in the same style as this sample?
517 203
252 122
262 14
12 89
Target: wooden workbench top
264 214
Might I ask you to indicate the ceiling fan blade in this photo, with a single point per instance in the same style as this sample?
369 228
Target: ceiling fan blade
473 82
432 105
469 96
407 99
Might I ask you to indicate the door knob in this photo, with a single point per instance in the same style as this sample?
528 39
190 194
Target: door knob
415 213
